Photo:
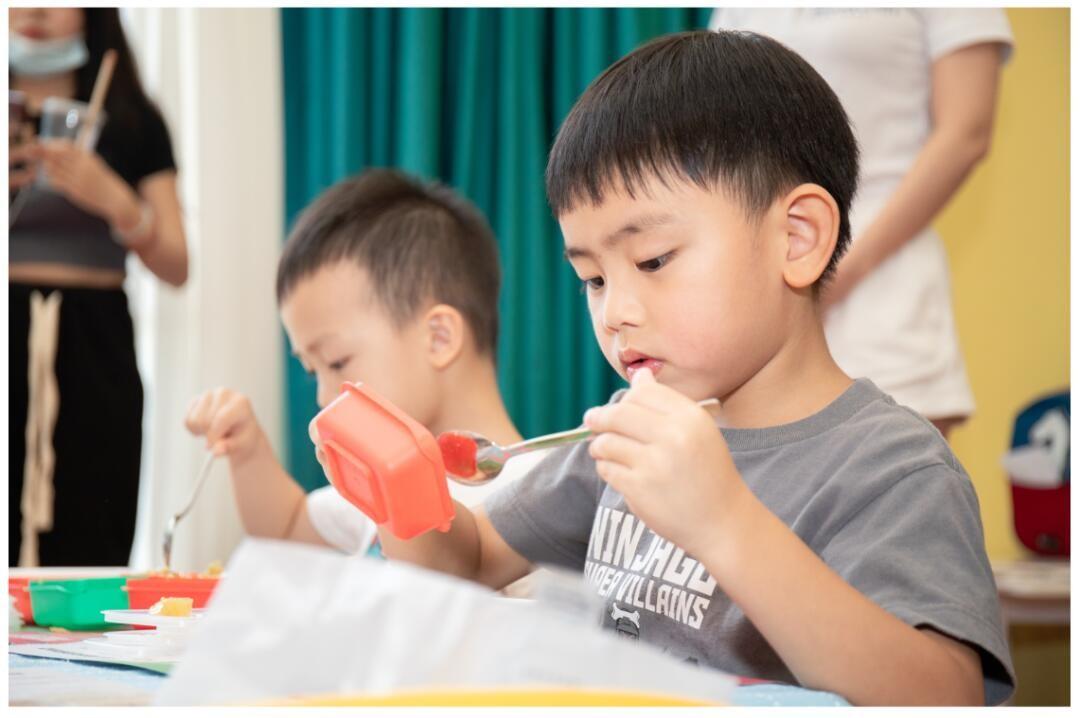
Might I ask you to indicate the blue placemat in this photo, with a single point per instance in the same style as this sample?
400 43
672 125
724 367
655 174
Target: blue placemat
134 677
778 694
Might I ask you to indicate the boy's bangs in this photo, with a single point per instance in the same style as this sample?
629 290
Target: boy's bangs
597 169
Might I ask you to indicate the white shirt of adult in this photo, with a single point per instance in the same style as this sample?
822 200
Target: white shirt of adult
896 326
349 530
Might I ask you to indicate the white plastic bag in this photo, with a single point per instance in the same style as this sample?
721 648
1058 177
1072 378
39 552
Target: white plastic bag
293 620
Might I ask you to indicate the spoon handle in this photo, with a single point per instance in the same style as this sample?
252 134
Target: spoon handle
562 438
548 441
203 473
170 529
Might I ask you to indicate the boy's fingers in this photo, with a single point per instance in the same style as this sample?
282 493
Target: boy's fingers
232 413
616 449
218 398
650 393
654 395
212 415
205 409
635 421
643 376
219 429
196 419
615 475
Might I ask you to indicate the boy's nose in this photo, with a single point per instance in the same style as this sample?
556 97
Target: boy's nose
621 308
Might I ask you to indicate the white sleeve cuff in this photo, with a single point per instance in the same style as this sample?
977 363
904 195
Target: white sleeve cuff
340 524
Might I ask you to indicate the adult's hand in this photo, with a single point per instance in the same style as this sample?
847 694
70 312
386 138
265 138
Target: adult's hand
88 182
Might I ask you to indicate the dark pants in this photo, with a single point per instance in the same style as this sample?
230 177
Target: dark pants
98 434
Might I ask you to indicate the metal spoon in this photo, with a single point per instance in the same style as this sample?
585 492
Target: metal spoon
166 543
490 458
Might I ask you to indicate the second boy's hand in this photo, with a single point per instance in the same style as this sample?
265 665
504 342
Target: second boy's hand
668 459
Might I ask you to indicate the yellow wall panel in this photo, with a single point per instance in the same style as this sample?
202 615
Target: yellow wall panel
1007 235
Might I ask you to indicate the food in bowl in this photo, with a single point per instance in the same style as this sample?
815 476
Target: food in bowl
179 607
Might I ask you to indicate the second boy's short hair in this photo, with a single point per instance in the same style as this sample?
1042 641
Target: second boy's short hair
725 109
417 241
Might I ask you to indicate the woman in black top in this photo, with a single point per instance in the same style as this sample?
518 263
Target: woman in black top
76 398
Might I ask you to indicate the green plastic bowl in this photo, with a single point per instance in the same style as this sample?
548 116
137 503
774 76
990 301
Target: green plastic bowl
76 604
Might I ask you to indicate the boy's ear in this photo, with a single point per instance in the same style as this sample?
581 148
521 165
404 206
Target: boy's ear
445 331
812 224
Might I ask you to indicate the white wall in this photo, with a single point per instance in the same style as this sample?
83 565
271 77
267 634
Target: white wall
216 75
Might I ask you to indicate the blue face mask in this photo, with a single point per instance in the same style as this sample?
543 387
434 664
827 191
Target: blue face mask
37 58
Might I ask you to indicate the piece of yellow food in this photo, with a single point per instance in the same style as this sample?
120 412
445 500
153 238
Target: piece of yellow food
172 607
214 569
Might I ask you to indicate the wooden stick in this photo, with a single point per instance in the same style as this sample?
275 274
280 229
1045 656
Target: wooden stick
97 98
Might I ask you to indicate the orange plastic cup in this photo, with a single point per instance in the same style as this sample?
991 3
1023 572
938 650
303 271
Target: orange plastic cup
385 463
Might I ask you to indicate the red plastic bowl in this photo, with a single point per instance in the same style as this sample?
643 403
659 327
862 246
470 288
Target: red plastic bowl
145 592
385 463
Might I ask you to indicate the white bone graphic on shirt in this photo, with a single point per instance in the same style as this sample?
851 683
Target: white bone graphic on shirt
626 624
617 613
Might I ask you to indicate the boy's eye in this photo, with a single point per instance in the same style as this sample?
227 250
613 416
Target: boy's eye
652 265
592 283
339 364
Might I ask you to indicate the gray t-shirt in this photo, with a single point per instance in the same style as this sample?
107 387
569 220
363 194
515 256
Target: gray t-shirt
871 487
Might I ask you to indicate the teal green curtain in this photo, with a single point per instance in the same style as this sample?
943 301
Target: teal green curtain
471 97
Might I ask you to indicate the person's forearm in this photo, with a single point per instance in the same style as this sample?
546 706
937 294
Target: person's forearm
165 254
456 552
268 498
939 170
829 635
161 247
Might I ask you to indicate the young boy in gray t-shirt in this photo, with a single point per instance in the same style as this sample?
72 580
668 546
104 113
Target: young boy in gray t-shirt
809 530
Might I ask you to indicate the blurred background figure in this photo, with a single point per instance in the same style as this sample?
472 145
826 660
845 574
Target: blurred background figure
920 87
76 212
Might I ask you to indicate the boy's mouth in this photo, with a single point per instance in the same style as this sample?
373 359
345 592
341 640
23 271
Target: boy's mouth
635 361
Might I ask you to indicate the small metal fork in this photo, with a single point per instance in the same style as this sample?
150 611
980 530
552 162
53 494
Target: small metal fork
166 543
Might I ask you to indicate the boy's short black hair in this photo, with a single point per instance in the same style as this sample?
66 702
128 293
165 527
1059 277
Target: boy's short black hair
417 241
725 109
